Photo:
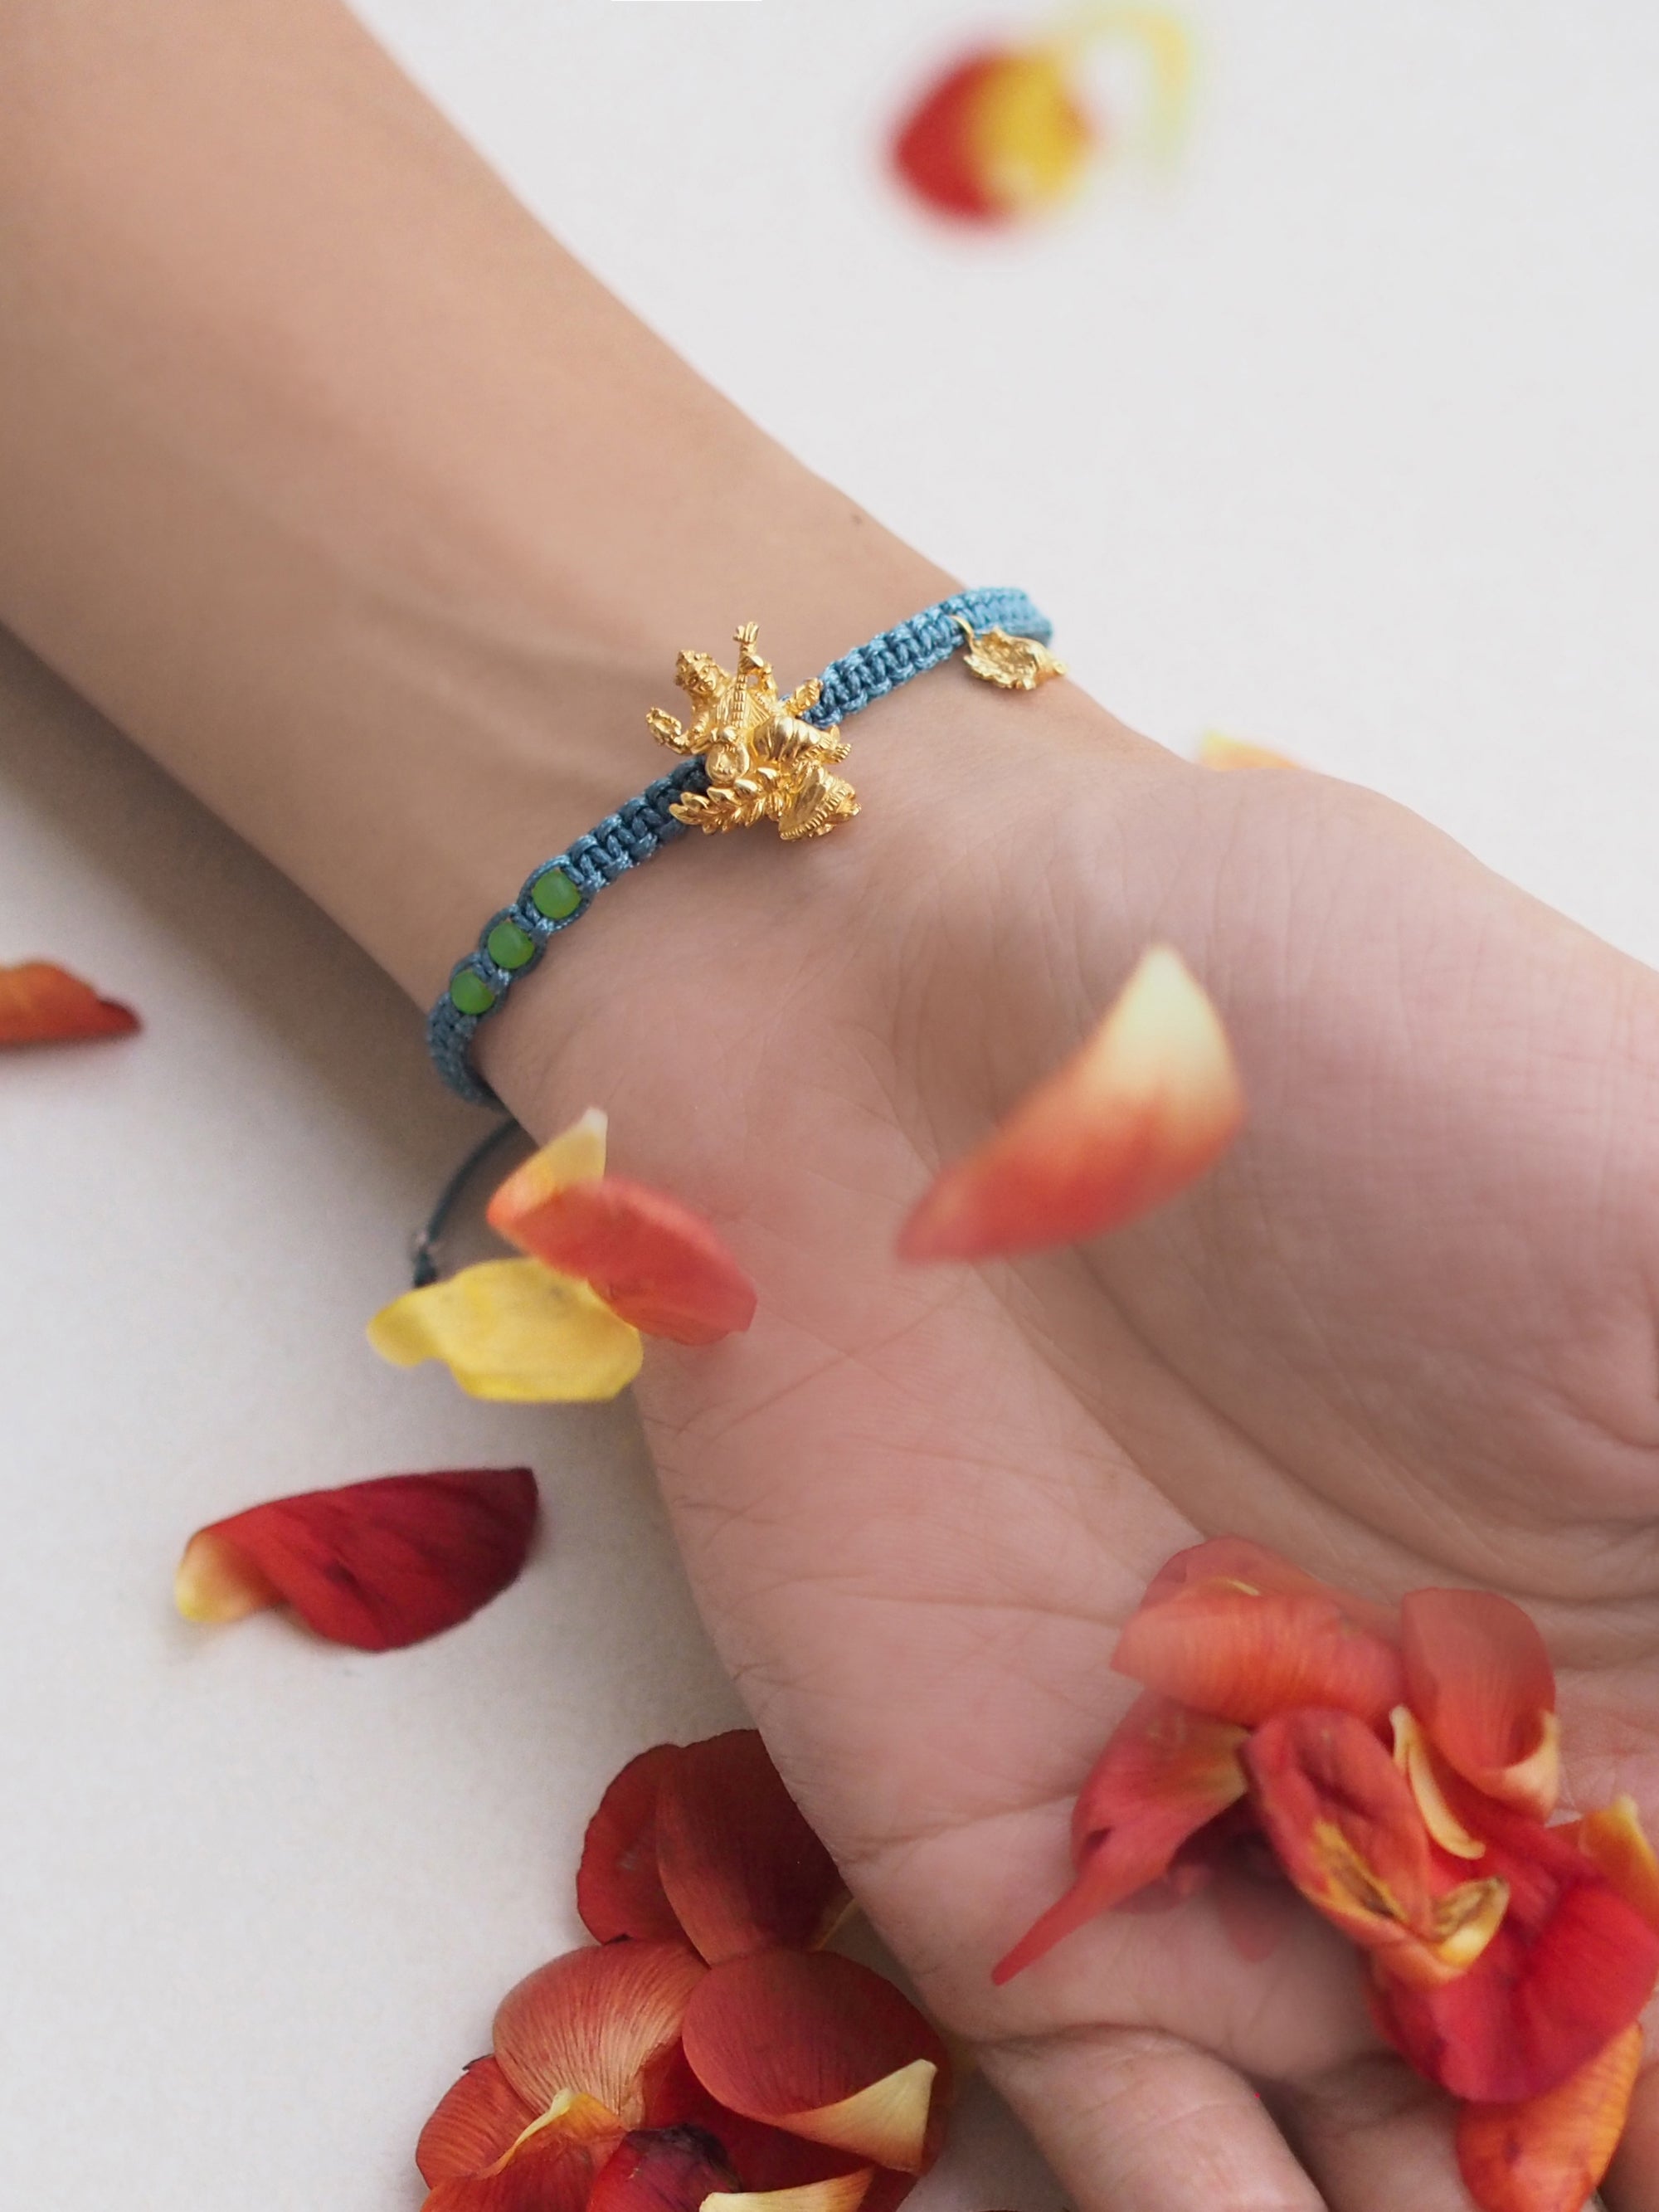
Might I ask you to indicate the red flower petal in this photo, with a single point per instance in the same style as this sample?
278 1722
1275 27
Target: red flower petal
1148 1103
1166 1773
1479 1678
1612 1840
1345 1825
596 2021
1549 2154
652 1259
738 1861
821 2046
476 2123
1241 1654
619 1891
41 1004
935 151
662 2169
1571 1967
377 1565
766 2157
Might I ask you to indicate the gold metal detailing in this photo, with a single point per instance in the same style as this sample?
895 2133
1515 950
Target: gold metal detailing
764 764
1013 663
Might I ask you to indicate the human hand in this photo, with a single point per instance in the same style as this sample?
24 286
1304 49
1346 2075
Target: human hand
1404 1334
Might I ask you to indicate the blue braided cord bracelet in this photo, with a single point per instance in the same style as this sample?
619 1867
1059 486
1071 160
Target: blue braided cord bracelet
561 891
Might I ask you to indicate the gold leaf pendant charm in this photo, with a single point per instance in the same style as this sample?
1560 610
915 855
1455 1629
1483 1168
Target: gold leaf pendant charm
1012 664
764 764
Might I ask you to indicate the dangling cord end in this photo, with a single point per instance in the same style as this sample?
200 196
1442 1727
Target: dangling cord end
426 1252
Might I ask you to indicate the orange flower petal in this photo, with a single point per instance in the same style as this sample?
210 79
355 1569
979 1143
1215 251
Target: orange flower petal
768 2159
596 2021
1217 751
738 1862
477 2122
377 1565
821 2046
1571 1967
1480 1679
1150 1101
652 1259
1549 2154
551 2168
1612 1840
619 1891
1166 1773
662 2169
1236 1559
41 1004
1241 1654
1342 1820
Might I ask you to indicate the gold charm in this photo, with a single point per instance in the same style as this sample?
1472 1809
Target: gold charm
764 764
1013 663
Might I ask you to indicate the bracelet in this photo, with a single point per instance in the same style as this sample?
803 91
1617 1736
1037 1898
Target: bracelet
749 757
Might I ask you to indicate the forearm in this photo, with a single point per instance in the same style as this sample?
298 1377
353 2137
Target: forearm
339 485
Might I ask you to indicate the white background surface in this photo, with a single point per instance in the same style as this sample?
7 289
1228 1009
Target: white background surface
1341 436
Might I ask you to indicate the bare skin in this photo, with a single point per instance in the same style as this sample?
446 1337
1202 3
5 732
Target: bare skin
1406 1332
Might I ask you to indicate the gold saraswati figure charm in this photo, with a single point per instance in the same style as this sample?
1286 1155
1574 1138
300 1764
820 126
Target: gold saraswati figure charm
764 764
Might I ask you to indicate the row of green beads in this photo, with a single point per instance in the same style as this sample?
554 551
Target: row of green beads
553 894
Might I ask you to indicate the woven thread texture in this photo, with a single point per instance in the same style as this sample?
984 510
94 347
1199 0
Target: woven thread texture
644 825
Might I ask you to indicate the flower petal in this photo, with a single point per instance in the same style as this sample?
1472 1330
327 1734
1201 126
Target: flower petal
1238 1559
1612 1840
42 1003
652 1259
738 1862
551 2168
1165 1773
1241 1654
1151 1101
619 1891
1549 2154
1414 1755
846 2193
1480 1679
377 1565
936 151
577 1154
662 2169
1215 751
476 2121
596 2020
769 2158
1029 138
1345 1827
512 1329
819 2045
1572 1967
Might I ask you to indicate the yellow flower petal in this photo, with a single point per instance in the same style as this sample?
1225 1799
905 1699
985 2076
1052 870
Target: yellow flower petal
512 1329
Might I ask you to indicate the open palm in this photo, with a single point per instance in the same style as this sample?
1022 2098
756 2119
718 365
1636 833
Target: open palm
1405 1334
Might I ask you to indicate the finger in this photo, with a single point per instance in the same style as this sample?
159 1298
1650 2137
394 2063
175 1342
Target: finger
1135 2121
1376 2138
1632 2182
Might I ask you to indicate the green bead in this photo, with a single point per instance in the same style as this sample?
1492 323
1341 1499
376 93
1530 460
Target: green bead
470 993
509 946
554 894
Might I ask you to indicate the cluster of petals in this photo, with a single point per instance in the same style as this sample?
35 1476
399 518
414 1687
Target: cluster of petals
43 1004
606 1260
377 1565
1403 1770
705 2054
